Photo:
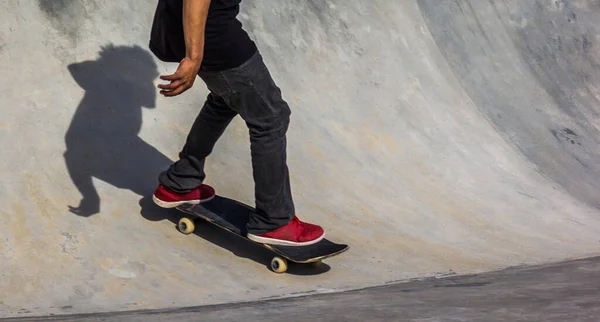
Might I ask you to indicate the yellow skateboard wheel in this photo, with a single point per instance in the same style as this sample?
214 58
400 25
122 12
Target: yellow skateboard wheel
186 225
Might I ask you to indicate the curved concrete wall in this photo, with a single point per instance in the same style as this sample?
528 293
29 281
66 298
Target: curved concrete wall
435 137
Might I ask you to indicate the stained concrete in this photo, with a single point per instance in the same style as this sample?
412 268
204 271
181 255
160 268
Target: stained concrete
434 137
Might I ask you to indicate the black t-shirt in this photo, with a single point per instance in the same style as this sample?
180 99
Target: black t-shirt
226 44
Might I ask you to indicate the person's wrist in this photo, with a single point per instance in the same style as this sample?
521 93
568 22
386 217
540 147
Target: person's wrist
197 59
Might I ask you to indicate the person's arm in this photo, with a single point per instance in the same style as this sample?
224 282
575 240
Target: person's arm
195 13
194 22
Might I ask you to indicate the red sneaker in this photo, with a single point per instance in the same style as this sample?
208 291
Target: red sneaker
295 233
167 198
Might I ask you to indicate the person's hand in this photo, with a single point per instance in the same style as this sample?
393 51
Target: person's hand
183 78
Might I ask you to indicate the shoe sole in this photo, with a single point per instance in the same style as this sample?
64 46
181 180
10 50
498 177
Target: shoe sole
173 204
279 242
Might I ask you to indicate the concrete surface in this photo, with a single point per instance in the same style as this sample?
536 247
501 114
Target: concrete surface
434 137
553 293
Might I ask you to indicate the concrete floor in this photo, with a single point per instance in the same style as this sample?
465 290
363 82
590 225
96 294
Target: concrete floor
559 292
434 137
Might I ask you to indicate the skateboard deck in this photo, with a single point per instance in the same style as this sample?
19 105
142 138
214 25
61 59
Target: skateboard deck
232 216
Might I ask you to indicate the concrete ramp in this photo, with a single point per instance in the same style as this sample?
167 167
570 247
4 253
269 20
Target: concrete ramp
434 137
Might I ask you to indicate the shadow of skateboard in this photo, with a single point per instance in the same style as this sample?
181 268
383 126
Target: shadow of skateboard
232 216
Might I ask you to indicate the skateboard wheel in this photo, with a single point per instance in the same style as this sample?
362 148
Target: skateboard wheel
186 226
279 265
316 263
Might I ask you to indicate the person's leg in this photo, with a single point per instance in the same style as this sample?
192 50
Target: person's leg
257 99
182 182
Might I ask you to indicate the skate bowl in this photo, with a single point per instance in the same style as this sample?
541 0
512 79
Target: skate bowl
436 138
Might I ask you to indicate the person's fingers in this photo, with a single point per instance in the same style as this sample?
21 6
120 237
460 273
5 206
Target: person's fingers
170 86
176 75
176 91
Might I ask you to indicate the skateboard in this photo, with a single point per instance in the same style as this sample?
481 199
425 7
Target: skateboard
232 216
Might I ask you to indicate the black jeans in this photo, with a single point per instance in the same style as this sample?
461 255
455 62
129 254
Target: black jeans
247 90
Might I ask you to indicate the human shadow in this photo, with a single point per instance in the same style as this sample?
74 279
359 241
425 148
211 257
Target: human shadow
102 140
